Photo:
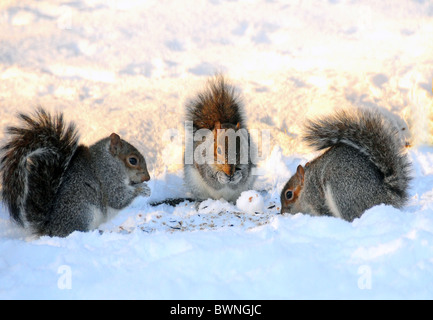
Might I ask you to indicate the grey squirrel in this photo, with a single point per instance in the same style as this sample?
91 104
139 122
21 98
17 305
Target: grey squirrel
53 186
227 171
364 165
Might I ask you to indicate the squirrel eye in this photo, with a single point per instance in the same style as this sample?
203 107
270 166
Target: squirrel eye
133 161
289 194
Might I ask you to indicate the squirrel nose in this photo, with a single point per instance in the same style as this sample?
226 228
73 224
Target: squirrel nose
145 177
228 169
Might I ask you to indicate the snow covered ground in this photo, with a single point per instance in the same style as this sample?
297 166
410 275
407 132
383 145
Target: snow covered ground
128 66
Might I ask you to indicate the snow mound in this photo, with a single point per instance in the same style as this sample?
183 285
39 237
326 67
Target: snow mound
250 202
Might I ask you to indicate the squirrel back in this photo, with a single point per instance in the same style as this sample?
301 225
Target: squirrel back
53 186
364 165
226 171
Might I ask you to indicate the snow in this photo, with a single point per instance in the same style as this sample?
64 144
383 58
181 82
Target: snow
250 202
129 67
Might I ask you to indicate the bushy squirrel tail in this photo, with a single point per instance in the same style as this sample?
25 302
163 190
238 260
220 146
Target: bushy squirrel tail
219 102
33 163
370 133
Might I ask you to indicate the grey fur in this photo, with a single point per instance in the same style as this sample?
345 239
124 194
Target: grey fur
53 187
365 165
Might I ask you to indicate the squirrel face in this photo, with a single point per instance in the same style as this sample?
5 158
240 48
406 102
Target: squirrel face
226 148
291 191
134 162
136 168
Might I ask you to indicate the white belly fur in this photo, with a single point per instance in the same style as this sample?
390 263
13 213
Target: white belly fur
98 218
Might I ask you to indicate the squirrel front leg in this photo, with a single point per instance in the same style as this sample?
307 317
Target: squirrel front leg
123 196
142 190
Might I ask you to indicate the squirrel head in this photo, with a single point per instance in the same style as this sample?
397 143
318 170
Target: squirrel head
134 162
292 190
226 147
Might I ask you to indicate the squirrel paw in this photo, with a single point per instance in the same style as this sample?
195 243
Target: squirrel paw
143 190
222 177
236 177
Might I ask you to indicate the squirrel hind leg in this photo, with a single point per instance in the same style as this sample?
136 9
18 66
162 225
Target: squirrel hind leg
347 207
331 203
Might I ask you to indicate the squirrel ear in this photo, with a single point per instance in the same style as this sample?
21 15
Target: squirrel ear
217 125
115 144
238 126
300 172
